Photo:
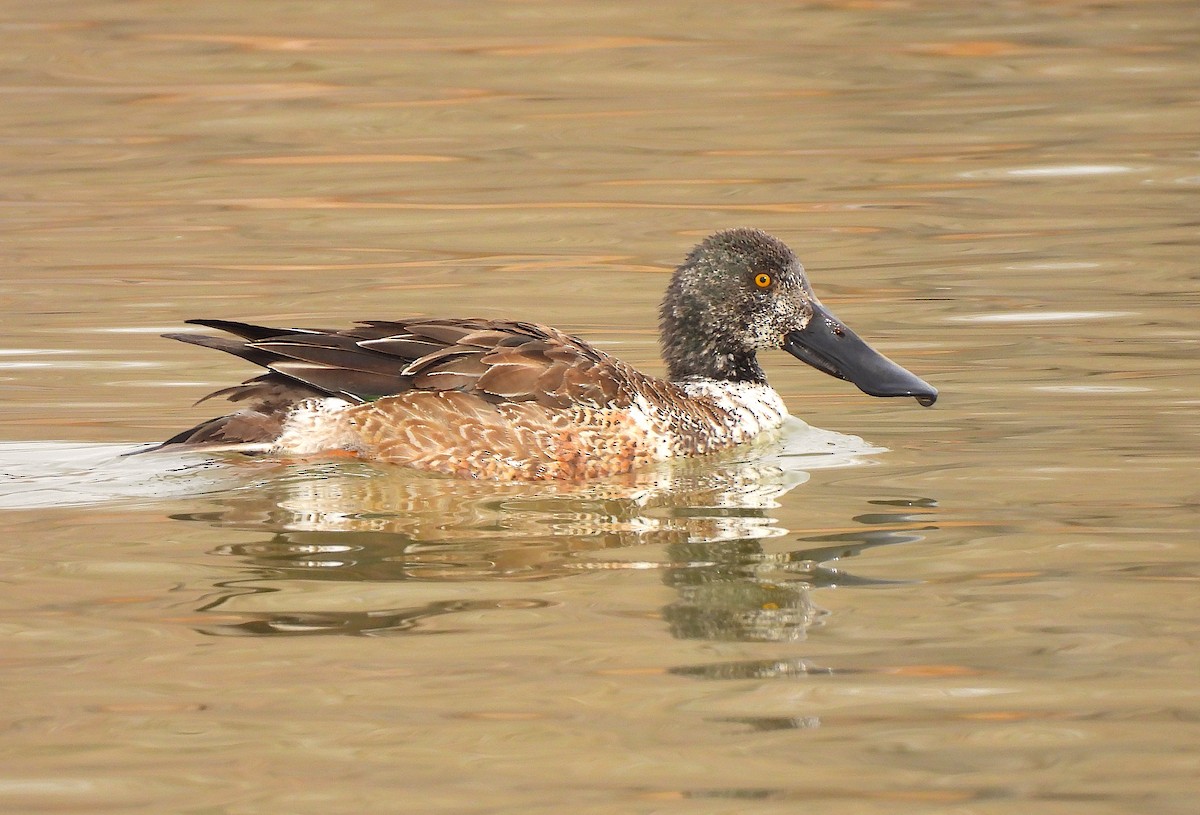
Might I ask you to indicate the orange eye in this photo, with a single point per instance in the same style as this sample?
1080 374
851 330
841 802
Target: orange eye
762 280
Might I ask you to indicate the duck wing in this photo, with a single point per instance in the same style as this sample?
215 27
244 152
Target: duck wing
498 361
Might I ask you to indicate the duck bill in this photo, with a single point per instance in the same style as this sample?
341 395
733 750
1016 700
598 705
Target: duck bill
829 346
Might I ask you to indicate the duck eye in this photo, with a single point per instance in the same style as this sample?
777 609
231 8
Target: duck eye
762 280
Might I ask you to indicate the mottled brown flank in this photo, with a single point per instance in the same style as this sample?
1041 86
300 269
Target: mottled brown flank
462 435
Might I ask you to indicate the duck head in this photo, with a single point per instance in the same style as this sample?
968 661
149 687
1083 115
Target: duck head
741 291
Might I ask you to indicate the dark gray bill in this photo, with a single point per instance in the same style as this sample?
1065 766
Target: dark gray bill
829 346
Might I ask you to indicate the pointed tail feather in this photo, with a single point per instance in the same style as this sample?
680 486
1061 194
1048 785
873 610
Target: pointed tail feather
245 430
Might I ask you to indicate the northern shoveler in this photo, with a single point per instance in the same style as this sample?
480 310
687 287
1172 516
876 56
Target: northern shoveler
521 401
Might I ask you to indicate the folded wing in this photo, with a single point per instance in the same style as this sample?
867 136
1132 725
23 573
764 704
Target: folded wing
496 361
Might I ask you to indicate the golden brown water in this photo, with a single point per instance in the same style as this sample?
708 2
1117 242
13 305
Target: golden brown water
986 607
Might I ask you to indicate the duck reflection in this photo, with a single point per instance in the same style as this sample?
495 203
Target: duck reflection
702 527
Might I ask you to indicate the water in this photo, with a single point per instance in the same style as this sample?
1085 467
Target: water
984 607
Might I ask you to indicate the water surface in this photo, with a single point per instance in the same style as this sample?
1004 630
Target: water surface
985 607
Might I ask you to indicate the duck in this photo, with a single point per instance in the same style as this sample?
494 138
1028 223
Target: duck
511 400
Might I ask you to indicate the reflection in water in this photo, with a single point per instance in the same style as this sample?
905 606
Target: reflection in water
748 595
765 724
707 527
360 623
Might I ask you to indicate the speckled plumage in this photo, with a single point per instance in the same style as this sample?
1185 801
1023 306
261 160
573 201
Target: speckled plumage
521 401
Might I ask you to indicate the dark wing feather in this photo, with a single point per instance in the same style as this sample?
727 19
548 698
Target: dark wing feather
248 331
354 386
496 360
270 392
435 359
332 351
238 349
446 333
403 345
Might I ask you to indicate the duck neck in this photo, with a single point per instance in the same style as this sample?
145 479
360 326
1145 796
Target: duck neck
698 348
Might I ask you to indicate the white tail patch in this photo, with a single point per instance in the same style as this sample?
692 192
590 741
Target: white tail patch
315 426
